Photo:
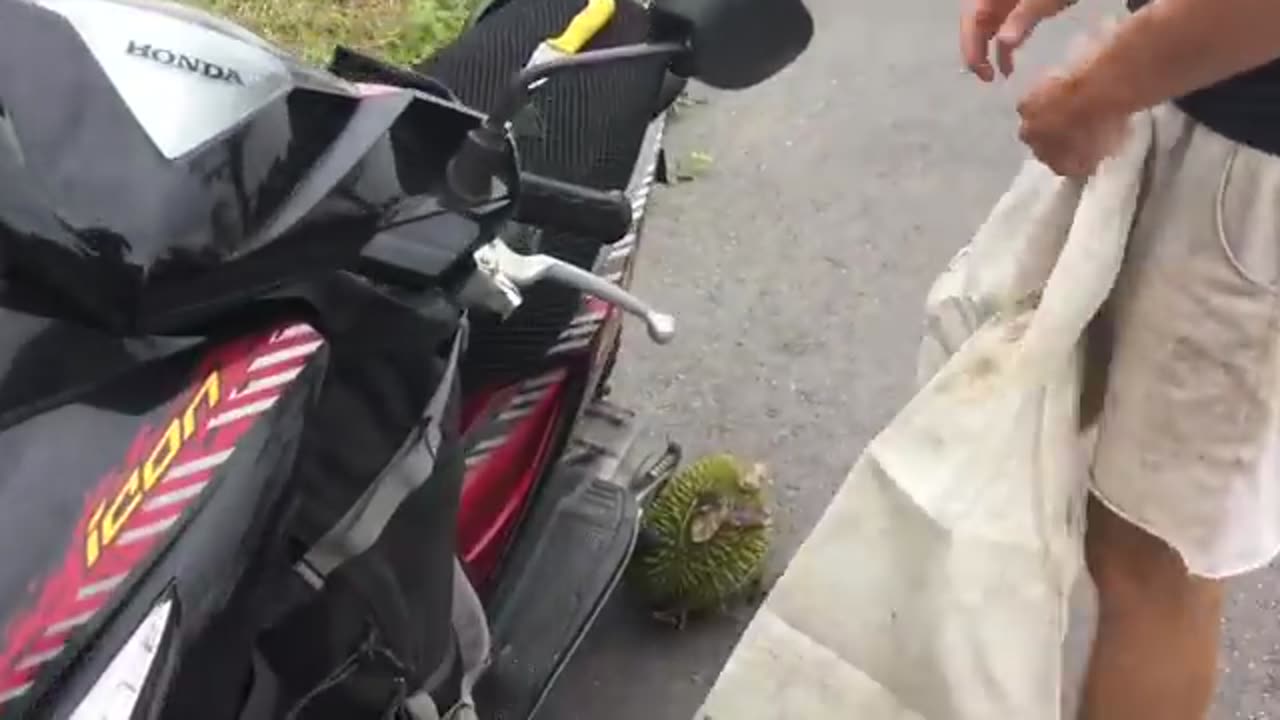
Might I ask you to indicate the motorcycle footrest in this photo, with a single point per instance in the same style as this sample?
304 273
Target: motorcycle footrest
580 537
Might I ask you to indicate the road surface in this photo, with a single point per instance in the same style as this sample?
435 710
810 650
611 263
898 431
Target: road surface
797 266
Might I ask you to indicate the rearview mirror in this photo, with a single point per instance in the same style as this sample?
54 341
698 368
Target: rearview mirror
734 43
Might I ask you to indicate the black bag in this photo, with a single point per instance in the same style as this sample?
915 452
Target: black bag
365 616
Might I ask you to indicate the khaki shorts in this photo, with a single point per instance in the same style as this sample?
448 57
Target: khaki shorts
1185 360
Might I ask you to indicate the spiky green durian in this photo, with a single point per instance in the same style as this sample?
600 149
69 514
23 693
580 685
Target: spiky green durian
704 537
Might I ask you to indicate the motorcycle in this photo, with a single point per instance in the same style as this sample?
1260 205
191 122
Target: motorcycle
271 449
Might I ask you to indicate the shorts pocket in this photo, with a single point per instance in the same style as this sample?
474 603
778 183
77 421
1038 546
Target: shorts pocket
1247 215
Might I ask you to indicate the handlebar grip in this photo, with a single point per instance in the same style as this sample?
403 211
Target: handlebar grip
552 204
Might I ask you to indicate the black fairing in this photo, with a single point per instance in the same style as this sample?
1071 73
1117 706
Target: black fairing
136 242
235 539
122 267
56 448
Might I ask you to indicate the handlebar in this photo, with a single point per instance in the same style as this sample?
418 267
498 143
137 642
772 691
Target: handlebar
548 203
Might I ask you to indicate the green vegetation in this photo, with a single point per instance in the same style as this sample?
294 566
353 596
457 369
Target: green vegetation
399 31
692 167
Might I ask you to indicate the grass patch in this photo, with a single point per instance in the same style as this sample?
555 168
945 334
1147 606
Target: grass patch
399 31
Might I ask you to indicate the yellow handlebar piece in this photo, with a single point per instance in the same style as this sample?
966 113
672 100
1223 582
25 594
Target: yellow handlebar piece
584 26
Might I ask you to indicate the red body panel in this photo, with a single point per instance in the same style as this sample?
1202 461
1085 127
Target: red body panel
514 427
503 468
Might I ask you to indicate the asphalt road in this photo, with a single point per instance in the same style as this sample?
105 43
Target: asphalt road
797 266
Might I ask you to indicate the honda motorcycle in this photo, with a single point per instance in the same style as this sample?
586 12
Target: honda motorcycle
302 408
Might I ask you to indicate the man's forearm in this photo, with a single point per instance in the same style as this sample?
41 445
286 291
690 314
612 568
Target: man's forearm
1170 48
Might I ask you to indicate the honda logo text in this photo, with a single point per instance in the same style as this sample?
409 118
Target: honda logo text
190 63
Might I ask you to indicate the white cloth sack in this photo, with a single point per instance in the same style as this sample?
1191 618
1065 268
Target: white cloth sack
936 586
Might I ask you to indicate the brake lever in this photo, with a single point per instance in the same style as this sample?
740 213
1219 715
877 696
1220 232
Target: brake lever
508 270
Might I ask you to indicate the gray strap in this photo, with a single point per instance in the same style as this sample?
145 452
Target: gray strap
412 465
471 629
421 707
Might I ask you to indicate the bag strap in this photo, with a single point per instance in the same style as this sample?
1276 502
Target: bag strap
363 523
471 629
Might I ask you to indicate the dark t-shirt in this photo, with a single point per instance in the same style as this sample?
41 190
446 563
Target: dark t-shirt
1245 108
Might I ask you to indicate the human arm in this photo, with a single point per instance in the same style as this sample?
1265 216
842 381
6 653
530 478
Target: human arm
1074 118
1170 48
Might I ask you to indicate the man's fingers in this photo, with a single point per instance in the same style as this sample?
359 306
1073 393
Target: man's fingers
1004 57
1023 19
979 25
1017 27
973 46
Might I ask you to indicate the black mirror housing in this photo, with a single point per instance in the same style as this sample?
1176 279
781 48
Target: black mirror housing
733 44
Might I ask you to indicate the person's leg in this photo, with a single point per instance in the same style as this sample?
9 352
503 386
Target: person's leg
1187 466
1156 647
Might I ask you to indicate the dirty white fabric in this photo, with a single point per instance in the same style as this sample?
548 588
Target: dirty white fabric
936 585
1189 431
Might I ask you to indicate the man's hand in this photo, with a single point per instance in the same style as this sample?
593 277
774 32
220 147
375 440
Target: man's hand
1166 50
1009 23
1066 130
1067 127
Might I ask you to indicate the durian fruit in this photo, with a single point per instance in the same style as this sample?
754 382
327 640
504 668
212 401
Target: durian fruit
704 538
